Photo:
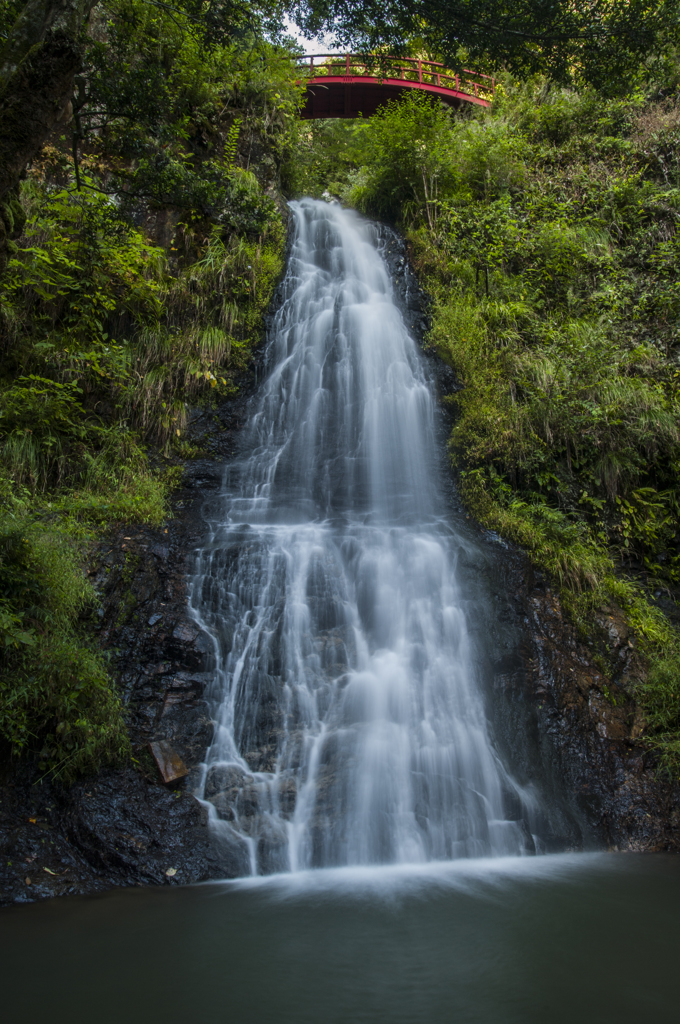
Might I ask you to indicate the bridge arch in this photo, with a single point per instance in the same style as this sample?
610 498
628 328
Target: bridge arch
349 85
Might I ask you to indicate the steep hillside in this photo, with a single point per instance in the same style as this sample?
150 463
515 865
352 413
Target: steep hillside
148 238
545 231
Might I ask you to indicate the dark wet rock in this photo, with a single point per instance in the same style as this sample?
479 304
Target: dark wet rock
243 800
203 479
287 796
231 851
115 829
139 833
572 729
224 779
272 847
186 632
223 803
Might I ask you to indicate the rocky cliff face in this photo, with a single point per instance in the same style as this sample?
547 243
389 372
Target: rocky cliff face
568 728
127 826
562 704
581 723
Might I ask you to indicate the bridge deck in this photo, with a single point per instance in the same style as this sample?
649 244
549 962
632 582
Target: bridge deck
349 85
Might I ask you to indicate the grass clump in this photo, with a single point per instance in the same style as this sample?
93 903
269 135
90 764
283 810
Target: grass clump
545 231
56 698
660 699
151 247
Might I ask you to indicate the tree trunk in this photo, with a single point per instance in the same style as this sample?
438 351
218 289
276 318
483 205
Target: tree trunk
37 65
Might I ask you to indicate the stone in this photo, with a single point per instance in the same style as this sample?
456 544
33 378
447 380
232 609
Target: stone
223 777
186 632
160 669
170 764
190 681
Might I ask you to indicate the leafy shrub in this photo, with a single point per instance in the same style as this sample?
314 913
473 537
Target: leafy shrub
661 695
56 697
41 426
660 699
247 210
545 231
106 335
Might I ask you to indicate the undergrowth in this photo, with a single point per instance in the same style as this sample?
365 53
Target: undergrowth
56 698
150 252
545 232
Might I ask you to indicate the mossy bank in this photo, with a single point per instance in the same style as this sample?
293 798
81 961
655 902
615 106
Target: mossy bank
544 231
152 236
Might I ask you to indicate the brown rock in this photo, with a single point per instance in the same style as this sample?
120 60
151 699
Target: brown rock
170 764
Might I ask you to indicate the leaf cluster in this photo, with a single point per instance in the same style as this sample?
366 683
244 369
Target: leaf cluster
546 233
55 694
611 44
150 251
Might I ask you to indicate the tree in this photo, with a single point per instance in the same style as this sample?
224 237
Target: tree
157 90
38 62
604 43
44 49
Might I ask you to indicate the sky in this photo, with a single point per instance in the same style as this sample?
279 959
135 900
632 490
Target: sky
310 45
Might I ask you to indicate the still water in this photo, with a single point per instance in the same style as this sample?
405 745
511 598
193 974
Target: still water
566 938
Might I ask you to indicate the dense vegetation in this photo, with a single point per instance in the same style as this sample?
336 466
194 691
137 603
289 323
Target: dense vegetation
545 231
149 244
611 44
142 246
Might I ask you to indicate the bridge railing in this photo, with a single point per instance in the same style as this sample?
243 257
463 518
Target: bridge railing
407 69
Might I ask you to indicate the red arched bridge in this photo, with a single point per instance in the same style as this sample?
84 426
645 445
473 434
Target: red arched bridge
349 85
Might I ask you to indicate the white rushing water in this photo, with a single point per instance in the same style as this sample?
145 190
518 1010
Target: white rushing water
351 729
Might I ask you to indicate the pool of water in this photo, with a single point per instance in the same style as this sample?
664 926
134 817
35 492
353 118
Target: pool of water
573 938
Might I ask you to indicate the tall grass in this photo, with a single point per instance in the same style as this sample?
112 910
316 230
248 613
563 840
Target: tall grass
544 231
56 696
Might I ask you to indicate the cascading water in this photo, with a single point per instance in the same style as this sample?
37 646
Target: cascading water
350 726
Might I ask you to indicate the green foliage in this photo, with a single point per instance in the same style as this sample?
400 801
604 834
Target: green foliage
612 44
41 422
321 155
48 441
150 251
213 318
170 106
9 12
545 232
660 699
248 210
81 273
661 695
405 163
56 700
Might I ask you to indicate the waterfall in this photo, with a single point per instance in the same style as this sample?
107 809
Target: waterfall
350 725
